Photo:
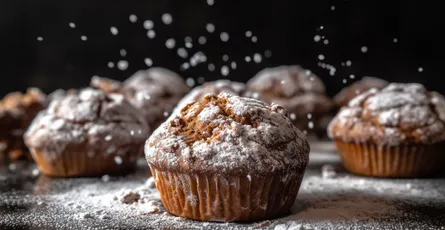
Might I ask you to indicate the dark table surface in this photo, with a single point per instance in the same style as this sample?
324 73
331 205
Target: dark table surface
340 200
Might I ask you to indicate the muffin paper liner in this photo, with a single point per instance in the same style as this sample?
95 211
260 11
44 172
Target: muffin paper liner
226 198
80 164
403 161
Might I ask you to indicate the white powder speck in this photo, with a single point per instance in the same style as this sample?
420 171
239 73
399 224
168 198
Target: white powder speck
166 114
348 63
321 57
309 116
233 65
292 116
110 64
108 138
123 52
190 82
254 39
211 67
182 52
133 18
332 8
185 66
267 53
40 39
151 34
224 36
114 30
352 76
118 160
395 40
345 81
167 18
249 177
12 167
72 25
122 65
364 49
201 80
170 43
247 59
105 178
257 58
225 70
225 57
210 2
148 24
202 40
328 171
210 27
420 69
326 41
310 125
248 33
132 132
35 172
148 62
317 38
322 27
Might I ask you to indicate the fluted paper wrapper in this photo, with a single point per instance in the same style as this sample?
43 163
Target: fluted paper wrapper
403 161
80 164
226 198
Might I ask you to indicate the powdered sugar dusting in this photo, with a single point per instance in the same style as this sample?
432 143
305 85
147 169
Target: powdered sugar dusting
257 138
397 113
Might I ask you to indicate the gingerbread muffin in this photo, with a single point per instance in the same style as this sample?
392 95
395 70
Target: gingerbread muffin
216 87
358 87
398 131
301 92
17 111
228 158
155 92
86 134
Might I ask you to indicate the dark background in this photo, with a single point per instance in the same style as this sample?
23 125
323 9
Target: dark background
286 28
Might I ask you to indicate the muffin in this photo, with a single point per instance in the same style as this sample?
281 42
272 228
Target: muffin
363 85
301 92
228 158
17 111
155 92
398 131
216 87
87 133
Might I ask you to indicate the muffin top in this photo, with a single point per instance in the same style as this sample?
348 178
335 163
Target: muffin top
154 92
397 114
215 87
104 123
17 111
358 87
230 135
297 89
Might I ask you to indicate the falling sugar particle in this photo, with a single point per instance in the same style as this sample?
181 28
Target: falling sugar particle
189 45
348 63
292 116
105 178
321 27
190 82
307 72
185 65
170 43
210 2
233 65
352 76
202 40
108 138
364 49
122 65
310 125
345 81
132 132
114 30
395 40
420 69
248 33
39 39
123 52
317 38
257 58
332 8
201 80
309 116
133 18
224 37
182 53
83 38
225 70
72 25
225 57
12 167
110 64
148 62
326 41
151 34
267 53
35 172
148 24
167 18
165 114
247 59
210 27
254 39
283 82
211 67
321 57
118 160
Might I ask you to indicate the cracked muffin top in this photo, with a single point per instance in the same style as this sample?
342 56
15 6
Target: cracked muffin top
101 123
399 113
228 134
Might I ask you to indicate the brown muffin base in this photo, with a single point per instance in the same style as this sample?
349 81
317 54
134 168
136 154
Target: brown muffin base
226 198
80 164
404 161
